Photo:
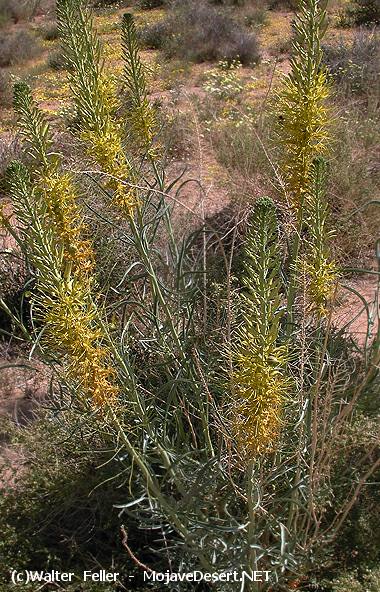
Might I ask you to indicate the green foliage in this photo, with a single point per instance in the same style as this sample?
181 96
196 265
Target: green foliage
217 422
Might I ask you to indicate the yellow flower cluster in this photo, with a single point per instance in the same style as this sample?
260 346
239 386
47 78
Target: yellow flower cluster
260 390
259 381
71 320
105 147
60 198
321 281
304 130
301 103
52 235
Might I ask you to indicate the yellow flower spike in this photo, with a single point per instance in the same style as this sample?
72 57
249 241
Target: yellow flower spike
57 189
142 118
70 318
320 270
301 109
95 98
51 233
61 200
259 382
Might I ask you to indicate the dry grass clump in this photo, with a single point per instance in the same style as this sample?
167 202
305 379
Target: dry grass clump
5 89
198 32
364 12
14 10
354 64
17 47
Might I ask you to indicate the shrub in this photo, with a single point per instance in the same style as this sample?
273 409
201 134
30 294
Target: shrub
50 31
5 89
369 582
14 10
17 47
148 4
174 397
283 4
199 32
364 12
153 36
354 64
56 60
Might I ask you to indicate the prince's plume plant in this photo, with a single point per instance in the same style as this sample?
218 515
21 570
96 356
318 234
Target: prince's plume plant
259 382
321 271
141 115
50 235
94 99
59 192
301 103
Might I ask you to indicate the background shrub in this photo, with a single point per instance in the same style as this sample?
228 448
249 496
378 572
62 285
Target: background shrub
365 12
285 4
14 10
49 31
5 89
354 64
56 60
147 4
199 32
17 47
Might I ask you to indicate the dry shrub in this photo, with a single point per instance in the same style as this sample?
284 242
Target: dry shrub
17 47
5 89
354 64
49 31
198 32
365 12
14 10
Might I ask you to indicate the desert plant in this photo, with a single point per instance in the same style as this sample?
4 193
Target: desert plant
147 4
17 47
259 381
141 116
354 64
50 31
94 97
198 32
15 11
224 439
364 12
57 61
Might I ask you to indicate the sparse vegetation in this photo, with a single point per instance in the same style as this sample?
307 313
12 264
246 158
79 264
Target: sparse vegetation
364 12
17 47
198 32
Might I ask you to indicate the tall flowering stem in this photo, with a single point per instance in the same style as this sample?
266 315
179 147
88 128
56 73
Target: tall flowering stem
259 381
95 99
59 192
301 103
50 234
321 271
141 116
